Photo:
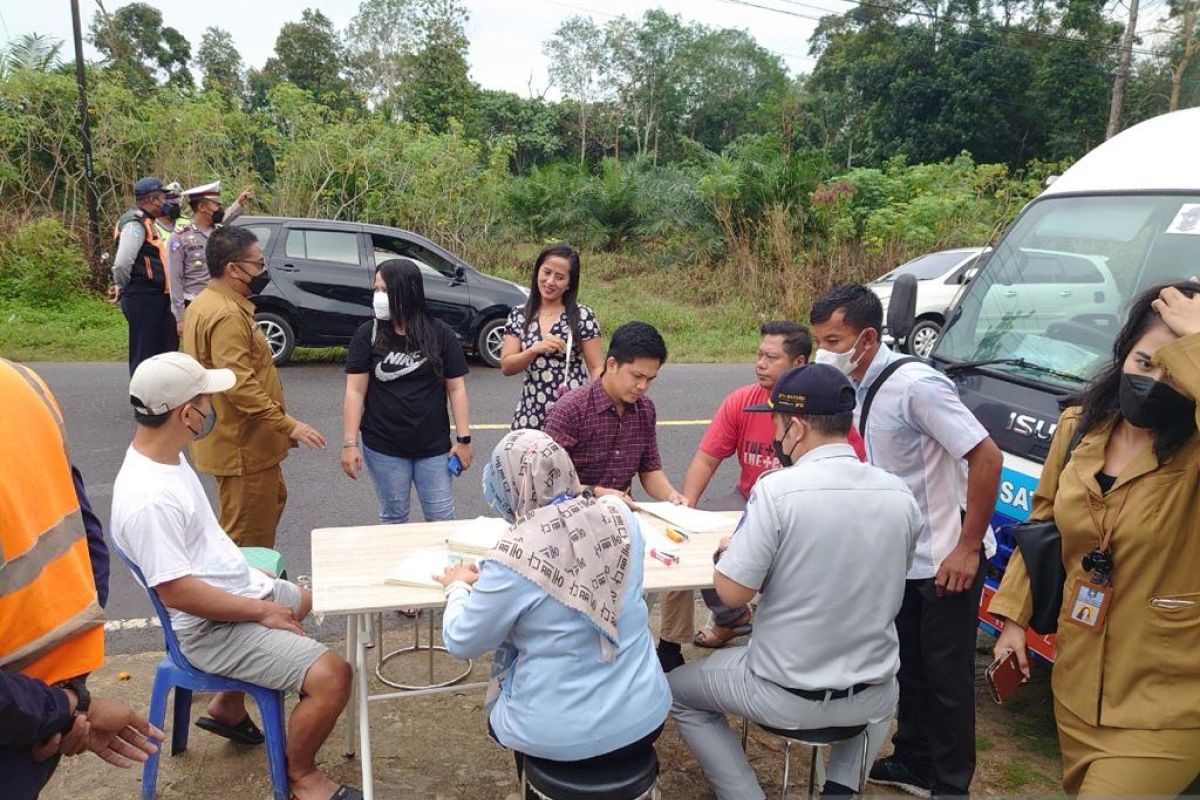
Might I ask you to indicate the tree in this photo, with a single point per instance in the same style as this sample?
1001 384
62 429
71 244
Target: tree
1122 76
309 55
576 54
35 51
379 42
1185 43
221 65
136 44
439 87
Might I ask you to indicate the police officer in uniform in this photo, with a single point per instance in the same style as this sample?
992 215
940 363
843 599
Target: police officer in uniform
140 275
186 267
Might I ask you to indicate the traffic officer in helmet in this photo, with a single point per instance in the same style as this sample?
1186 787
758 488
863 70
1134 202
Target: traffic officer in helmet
188 271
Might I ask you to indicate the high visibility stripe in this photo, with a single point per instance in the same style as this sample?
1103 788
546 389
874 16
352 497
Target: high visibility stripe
36 384
51 545
90 617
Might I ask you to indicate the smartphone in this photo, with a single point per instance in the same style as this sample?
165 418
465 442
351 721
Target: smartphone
1004 676
455 466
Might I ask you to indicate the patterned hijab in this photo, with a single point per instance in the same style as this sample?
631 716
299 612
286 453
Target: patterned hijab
573 548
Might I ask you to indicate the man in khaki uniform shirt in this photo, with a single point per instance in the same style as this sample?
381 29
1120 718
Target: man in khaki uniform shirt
253 432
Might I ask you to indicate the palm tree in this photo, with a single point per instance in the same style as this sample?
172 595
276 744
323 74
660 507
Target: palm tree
35 51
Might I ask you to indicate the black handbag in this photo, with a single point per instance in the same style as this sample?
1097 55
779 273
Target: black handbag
1040 544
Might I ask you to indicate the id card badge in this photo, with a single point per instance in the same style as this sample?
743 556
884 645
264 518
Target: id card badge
1089 602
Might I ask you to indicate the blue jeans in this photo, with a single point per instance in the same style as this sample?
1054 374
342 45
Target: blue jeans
394 478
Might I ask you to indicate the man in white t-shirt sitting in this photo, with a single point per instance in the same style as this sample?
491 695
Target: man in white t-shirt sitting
230 618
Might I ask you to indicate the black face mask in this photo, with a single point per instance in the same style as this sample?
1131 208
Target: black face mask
172 211
218 216
258 282
781 454
1148 403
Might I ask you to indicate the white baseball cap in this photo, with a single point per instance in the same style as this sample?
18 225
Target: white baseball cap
169 380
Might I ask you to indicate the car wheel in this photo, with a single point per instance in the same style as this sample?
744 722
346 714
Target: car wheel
280 336
491 341
923 337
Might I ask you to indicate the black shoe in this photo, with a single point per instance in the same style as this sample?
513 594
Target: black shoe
891 771
670 655
834 789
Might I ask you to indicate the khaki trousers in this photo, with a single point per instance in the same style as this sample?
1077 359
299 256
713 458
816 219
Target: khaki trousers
251 506
1119 762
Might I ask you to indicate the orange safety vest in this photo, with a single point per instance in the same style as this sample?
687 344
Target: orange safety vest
153 254
51 625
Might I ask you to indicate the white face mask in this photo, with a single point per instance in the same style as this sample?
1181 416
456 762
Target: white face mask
844 363
380 304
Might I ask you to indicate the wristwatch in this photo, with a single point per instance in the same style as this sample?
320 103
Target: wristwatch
80 689
463 439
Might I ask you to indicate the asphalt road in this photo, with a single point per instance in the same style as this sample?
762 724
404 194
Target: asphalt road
94 398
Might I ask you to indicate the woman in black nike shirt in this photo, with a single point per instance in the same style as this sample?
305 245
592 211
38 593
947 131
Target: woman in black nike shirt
402 367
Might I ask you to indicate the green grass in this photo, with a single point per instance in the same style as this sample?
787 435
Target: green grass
78 329
1016 775
983 744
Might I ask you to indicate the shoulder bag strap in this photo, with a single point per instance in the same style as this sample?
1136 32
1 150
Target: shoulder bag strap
871 392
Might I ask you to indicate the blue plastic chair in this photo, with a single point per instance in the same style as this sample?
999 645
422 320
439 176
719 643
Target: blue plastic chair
174 672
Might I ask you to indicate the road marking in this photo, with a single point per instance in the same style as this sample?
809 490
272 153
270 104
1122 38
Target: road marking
132 624
670 423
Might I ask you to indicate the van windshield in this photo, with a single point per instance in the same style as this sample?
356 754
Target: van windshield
1053 295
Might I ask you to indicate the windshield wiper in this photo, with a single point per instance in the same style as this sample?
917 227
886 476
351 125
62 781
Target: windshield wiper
959 366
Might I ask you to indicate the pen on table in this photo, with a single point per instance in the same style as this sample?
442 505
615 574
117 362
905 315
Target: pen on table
678 535
667 558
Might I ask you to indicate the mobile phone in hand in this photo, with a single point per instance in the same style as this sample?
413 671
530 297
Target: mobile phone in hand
1003 676
455 466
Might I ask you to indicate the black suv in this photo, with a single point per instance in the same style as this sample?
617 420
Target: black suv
323 276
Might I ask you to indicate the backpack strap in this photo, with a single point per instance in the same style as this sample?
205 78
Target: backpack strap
871 392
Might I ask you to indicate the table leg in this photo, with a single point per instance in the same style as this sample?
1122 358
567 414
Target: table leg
431 613
364 717
352 706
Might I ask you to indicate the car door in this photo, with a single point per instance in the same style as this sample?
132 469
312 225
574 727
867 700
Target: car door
326 277
447 291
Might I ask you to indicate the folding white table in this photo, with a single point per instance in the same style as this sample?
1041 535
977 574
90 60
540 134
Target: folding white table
349 566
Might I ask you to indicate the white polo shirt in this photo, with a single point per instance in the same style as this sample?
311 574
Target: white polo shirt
826 543
919 430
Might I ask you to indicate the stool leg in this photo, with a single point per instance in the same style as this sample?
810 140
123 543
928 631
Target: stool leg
270 708
787 766
745 734
812 771
862 776
819 767
181 720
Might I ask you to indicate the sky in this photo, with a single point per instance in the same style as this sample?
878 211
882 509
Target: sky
506 35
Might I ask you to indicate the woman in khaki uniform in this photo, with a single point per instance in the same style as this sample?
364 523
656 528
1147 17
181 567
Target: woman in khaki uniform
1127 679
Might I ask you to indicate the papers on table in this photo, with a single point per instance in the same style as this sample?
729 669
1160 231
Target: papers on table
692 520
478 536
418 568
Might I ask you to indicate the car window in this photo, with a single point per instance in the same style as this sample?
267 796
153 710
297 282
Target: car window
927 267
264 234
431 263
339 247
1080 270
1041 268
295 244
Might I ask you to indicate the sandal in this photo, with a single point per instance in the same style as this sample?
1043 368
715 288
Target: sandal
245 732
718 636
343 792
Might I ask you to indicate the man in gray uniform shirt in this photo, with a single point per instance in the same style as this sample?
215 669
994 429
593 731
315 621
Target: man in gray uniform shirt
826 543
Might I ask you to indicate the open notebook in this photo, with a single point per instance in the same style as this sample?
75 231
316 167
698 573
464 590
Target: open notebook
477 536
418 568
692 520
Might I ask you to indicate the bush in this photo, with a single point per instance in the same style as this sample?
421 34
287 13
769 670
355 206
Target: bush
42 264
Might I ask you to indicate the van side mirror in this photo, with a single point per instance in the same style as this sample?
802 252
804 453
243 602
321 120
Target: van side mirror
902 307
968 275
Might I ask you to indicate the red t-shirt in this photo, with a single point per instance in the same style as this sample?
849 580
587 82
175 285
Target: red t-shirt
732 430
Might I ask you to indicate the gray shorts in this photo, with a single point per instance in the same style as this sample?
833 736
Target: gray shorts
247 651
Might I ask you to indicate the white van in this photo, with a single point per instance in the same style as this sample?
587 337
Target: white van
1040 317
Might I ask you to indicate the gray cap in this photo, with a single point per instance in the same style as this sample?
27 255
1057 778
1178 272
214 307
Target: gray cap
147 186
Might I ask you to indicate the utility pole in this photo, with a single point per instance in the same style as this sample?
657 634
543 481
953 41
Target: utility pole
85 132
1123 67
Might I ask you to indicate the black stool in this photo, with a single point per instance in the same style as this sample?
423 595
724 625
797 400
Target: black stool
634 778
816 739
